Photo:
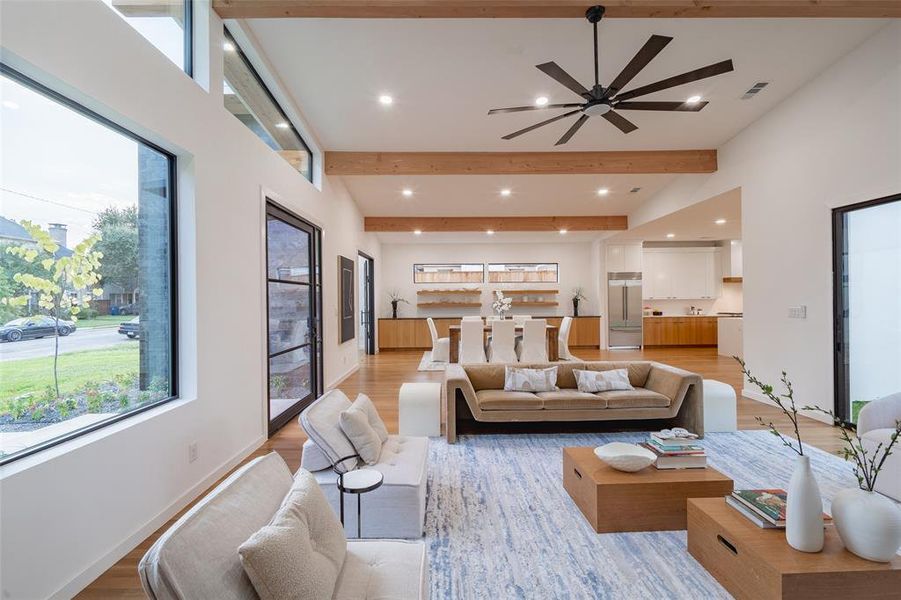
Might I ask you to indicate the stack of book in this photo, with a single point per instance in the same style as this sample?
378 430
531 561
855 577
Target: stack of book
676 453
764 508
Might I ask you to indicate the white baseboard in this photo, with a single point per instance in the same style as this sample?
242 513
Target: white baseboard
83 579
755 395
343 376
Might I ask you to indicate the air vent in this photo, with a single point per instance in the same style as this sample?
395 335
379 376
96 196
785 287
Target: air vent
755 89
634 190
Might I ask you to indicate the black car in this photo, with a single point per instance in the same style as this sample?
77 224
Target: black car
34 327
131 328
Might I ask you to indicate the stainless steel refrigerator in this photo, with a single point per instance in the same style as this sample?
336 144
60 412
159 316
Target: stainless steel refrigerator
624 316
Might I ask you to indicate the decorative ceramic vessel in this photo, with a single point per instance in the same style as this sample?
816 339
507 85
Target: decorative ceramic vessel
625 457
868 523
804 510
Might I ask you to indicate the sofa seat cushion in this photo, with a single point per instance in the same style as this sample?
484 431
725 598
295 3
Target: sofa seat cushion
383 570
637 398
501 400
571 399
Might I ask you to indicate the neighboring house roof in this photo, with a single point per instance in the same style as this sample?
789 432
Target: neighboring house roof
12 231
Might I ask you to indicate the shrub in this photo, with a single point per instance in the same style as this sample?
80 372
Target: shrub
95 403
144 397
49 395
19 407
37 414
159 384
64 407
124 400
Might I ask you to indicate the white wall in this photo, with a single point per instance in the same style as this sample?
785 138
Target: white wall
836 141
68 513
578 266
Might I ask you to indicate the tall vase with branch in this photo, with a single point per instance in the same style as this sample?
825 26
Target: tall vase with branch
395 299
804 505
578 295
868 523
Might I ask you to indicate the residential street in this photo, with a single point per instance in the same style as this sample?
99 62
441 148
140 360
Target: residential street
82 339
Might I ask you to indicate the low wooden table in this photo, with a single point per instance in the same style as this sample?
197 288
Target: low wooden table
649 500
751 562
553 345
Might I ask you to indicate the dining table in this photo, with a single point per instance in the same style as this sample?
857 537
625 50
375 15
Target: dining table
553 348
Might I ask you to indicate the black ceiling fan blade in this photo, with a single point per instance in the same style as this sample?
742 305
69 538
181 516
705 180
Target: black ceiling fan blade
696 75
510 136
669 106
495 111
572 130
621 122
651 48
553 70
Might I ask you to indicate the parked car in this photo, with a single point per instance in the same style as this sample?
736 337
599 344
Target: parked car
131 328
34 327
128 309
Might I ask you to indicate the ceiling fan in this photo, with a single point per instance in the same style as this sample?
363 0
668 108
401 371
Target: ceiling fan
602 101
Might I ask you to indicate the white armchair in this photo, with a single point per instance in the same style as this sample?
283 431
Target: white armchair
875 425
440 346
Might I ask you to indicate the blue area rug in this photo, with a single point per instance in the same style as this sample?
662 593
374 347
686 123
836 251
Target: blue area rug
500 525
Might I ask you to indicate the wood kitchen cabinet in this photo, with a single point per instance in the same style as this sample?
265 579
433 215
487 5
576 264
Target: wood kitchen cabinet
680 331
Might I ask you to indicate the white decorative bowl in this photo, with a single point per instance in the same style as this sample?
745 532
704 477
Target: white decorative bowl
625 457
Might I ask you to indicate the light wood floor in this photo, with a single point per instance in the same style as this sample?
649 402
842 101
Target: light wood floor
381 376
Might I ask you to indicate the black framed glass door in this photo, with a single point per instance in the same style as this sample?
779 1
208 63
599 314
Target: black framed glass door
294 301
366 266
867 303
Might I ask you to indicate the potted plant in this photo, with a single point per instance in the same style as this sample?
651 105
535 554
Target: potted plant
578 294
396 299
501 304
868 522
803 504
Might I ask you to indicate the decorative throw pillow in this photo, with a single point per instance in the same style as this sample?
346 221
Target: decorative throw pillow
372 414
602 381
530 380
355 425
299 554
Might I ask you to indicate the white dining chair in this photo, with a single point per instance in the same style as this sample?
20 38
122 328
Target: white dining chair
472 318
472 342
563 338
440 346
533 348
501 348
490 318
520 319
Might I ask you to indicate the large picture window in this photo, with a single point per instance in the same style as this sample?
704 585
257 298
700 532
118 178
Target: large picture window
522 273
87 332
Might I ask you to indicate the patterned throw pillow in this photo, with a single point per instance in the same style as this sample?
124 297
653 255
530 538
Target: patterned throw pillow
530 380
602 381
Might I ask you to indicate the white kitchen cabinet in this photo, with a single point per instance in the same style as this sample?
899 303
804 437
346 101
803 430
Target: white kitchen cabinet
624 258
680 273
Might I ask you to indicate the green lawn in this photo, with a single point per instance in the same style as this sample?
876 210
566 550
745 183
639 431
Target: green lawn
103 321
19 377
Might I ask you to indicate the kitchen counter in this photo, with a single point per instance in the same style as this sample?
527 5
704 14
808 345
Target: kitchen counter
680 330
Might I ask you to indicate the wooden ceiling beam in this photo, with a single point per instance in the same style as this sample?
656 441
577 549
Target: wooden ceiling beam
551 9
497 224
520 163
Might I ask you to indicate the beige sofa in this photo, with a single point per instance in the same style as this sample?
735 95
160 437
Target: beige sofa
476 392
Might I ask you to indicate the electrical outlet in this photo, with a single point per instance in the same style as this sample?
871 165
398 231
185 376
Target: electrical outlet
192 452
797 312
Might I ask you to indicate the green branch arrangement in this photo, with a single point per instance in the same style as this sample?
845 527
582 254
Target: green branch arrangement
785 402
866 466
395 297
579 293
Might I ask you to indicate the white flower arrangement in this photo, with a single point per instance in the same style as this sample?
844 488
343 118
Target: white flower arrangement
501 304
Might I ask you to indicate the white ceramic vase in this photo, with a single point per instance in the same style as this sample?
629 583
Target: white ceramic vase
868 523
804 510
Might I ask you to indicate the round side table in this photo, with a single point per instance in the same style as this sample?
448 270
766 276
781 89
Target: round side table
358 482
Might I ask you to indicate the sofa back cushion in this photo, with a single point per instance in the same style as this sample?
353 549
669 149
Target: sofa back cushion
198 556
299 554
321 422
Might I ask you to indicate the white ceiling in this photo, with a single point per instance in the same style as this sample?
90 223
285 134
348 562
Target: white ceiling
694 223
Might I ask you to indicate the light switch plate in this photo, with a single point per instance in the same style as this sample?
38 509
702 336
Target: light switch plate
797 312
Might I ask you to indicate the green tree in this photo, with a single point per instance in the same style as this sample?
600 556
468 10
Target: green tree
60 275
11 264
118 231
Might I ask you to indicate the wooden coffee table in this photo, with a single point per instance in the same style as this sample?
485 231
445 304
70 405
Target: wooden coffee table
649 500
751 562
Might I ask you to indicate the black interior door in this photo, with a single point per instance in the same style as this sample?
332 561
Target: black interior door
367 303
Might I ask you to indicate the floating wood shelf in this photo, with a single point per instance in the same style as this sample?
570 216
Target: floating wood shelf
537 303
530 292
445 292
450 304
731 279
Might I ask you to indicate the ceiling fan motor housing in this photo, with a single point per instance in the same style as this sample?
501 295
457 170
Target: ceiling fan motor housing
595 13
597 108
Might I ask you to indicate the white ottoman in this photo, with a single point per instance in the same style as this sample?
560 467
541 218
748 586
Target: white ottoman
419 406
720 407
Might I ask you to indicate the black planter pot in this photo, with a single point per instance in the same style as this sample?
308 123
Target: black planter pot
394 309
575 307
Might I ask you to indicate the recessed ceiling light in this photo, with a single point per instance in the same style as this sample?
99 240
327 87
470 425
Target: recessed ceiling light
671 235
506 192
282 125
720 221
407 192
693 100
490 232
386 100
563 231
10 104
541 100
603 192
417 232
228 46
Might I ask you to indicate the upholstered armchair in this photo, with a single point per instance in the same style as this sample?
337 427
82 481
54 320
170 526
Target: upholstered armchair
875 425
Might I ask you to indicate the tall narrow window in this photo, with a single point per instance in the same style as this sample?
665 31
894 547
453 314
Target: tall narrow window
247 97
167 24
87 333
867 263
